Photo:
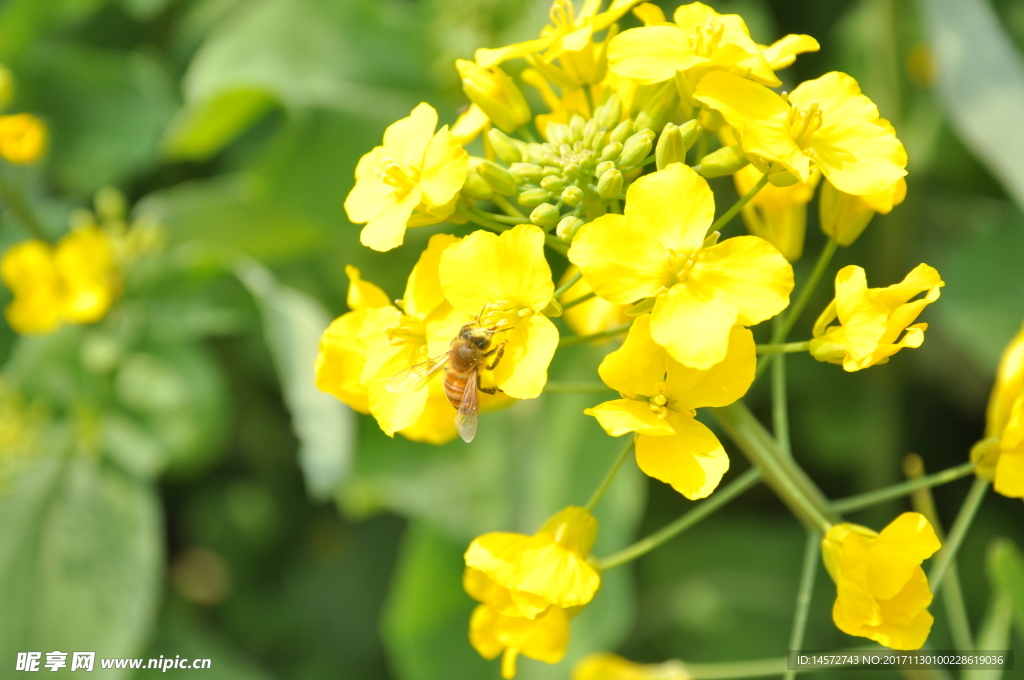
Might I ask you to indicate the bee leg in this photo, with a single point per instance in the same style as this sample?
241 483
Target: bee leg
500 350
493 389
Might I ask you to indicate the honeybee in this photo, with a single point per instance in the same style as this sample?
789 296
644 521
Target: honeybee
469 352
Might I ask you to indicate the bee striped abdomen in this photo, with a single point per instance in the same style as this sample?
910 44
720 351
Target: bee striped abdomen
454 387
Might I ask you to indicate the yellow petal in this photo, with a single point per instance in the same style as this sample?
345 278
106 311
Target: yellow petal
638 365
900 548
487 57
839 97
483 589
721 384
363 294
859 158
84 261
692 460
370 195
620 259
1009 477
782 53
620 416
495 554
693 323
523 371
674 204
559 576
651 54
423 292
1009 386
748 272
470 124
444 169
436 424
387 229
28 270
407 139
396 411
340 361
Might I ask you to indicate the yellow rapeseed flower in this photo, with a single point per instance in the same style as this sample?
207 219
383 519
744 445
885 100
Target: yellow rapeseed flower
412 180
507 282
520 575
844 216
1000 456
871 320
824 123
659 401
777 214
881 591
75 282
657 250
543 638
23 138
605 666
497 96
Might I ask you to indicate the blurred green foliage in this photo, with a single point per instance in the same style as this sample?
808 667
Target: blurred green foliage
192 493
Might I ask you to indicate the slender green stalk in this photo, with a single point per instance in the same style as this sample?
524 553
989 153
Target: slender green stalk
560 291
789 482
527 135
736 670
575 388
16 203
784 347
580 300
583 339
670 531
866 500
509 209
780 405
501 219
824 258
945 556
737 206
803 595
612 471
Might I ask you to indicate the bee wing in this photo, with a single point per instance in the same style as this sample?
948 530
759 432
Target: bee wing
465 419
415 377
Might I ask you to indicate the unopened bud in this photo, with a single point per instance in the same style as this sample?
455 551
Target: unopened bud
476 188
722 162
567 227
526 173
610 185
675 142
611 151
494 92
532 197
622 131
636 149
577 128
782 179
609 114
572 196
557 133
603 167
504 147
497 177
552 183
545 215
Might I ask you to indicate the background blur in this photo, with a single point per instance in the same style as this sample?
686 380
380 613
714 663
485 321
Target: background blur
170 481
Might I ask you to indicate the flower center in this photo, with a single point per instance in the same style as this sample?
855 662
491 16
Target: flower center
659 401
803 123
707 37
563 16
678 266
407 331
393 173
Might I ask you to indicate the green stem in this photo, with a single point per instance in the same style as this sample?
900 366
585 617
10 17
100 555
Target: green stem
581 299
784 347
670 531
866 500
787 479
824 258
17 204
527 135
575 388
736 670
556 244
509 209
803 596
737 206
501 219
612 471
945 556
561 290
583 339
780 407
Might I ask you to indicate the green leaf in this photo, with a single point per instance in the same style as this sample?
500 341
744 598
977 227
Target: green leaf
26 21
981 84
293 323
1006 572
81 553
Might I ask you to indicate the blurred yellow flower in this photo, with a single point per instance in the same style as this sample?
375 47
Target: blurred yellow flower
824 123
659 402
605 666
23 138
871 320
590 316
543 638
495 94
507 282
520 575
657 250
1000 456
75 282
777 214
881 591
844 216
412 180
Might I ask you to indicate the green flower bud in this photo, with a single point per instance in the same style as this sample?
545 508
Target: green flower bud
674 142
636 149
610 184
526 173
611 151
572 196
534 197
493 91
572 171
603 167
545 215
595 140
497 177
476 188
552 183
567 227
609 114
557 133
622 131
504 147
722 162
577 128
